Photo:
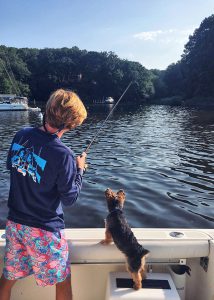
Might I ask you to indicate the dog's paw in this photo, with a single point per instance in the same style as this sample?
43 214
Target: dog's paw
105 242
137 286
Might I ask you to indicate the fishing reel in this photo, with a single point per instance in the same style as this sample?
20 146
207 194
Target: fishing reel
85 168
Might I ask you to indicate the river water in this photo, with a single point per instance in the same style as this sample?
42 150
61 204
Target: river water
162 156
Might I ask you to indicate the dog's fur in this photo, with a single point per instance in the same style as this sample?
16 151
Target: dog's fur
118 230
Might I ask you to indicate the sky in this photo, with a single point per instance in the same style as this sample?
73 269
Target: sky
152 32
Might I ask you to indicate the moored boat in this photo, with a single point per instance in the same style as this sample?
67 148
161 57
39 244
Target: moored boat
13 102
109 100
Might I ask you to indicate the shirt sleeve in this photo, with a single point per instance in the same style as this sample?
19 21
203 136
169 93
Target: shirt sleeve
69 181
9 163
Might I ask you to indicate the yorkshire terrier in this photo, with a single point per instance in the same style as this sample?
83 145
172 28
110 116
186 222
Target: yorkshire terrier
118 230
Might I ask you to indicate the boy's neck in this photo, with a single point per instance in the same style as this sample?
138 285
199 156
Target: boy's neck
52 130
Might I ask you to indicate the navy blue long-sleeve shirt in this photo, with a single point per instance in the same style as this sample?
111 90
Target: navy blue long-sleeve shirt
43 176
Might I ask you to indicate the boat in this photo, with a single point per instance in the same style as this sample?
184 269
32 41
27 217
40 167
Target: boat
99 272
109 100
12 102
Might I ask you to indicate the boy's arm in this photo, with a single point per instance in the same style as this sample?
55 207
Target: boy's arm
8 163
69 182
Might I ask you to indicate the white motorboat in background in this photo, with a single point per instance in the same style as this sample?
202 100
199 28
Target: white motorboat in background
109 100
12 102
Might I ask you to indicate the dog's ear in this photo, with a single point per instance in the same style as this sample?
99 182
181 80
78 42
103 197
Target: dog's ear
110 194
121 195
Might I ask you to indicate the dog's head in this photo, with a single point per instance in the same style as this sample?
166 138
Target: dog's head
115 200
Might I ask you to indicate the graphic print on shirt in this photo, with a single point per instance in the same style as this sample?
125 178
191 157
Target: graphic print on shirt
27 162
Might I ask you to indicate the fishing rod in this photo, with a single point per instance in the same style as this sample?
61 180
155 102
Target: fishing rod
101 127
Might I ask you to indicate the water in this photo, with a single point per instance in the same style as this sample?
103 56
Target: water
163 157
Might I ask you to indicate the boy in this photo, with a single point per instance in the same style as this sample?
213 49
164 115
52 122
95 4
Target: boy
44 175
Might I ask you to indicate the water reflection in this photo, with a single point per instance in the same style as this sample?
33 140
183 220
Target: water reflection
161 156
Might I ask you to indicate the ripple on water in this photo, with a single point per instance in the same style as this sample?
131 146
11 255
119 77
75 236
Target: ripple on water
161 156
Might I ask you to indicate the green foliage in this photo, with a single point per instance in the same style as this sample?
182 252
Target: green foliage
14 73
159 84
94 75
198 60
192 77
36 73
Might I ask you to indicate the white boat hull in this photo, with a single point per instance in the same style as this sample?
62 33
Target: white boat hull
13 106
92 262
17 106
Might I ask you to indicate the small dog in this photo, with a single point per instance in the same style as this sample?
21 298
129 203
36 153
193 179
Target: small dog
118 230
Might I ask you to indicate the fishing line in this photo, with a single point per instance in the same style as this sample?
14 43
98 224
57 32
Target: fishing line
11 71
101 127
11 81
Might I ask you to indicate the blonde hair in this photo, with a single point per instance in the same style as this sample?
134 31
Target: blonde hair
64 108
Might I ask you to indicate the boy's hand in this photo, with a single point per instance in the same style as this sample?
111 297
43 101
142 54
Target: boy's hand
81 161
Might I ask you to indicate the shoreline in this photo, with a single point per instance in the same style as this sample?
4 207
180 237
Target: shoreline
180 101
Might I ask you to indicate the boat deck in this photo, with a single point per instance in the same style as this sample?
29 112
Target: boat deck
92 262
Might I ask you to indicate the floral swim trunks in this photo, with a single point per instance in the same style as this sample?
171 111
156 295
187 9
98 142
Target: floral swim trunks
31 250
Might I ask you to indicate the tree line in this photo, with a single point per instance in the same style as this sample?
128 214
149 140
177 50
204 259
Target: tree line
35 73
191 79
93 75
